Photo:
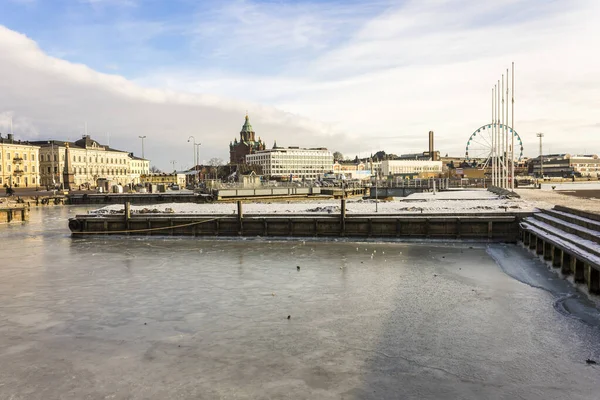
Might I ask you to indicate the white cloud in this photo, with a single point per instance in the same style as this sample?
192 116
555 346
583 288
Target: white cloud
428 65
60 96
382 79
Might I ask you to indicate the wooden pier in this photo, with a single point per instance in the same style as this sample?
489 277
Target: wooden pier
503 227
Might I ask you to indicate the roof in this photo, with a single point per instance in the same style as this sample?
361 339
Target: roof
247 127
80 144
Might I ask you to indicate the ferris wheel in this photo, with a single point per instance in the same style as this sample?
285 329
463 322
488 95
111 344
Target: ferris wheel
479 145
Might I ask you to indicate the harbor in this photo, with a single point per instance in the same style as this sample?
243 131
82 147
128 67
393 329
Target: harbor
307 318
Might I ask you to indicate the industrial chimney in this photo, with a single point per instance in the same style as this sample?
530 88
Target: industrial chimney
431 147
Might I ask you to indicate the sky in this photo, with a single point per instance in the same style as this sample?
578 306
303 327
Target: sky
353 76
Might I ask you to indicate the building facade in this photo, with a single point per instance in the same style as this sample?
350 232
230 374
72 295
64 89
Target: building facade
19 163
246 145
420 168
566 165
90 161
293 162
178 178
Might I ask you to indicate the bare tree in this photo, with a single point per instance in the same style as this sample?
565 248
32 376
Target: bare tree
215 162
155 170
337 156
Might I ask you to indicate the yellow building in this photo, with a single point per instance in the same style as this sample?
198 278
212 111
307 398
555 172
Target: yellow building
19 163
90 161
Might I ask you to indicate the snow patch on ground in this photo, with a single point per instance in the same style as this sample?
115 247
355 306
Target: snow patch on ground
451 202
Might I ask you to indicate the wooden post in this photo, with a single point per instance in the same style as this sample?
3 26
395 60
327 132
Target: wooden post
556 256
547 251
127 214
539 247
532 241
593 282
578 270
526 237
565 266
240 215
343 217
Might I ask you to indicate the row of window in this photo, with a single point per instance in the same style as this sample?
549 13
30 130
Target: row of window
18 168
85 159
24 156
17 180
84 171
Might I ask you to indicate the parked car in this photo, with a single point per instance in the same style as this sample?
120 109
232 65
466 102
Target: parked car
174 187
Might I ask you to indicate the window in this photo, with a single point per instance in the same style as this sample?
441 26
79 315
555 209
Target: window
26 168
25 156
49 170
33 157
8 156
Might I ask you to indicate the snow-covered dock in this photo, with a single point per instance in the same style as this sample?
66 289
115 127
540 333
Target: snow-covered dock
570 239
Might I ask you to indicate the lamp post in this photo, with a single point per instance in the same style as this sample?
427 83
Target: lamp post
541 135
52 160
193 153
197 160
142 137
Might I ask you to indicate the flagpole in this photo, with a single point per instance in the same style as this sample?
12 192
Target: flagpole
506 137
512 184
498 171
493 163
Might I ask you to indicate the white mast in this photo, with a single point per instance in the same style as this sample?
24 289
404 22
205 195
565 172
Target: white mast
506 137
512 124
498 165
493 163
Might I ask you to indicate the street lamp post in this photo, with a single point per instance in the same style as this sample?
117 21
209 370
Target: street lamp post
193 153
541 135
142 137
197 160
52 160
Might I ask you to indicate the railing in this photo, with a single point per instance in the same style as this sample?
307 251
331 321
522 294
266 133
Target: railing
18 172
17 160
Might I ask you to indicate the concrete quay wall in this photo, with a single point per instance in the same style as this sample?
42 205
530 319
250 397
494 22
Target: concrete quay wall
14 214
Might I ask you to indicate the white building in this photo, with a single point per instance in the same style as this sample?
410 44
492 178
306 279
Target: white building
587 165
90 161
423 168
293 161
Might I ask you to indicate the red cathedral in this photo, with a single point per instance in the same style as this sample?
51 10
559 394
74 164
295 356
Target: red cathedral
246 145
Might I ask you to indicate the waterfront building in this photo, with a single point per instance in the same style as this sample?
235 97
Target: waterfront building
175 178
354 169
566 165
246 145
90 161
294 162
19 163
411 168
